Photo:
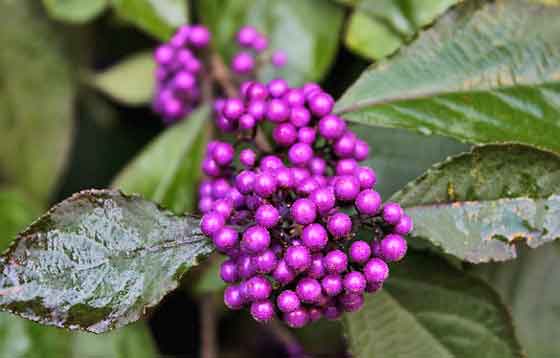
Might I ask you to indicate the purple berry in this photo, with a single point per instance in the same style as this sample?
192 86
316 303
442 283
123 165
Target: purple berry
361 150
308 290
351 302
346 188
332 285
225 125
228 271
211 223
315 314
257 91
258 288
321 104
346 167
260 43
323 198
233 108
308 88
245 181
300 116
299 175
285 134
339 225
220 188
317 166
267 216
376 270
303 211
271 163
277 87
164 55
332 312
392 213
288 301
344 146
283 273
404 226
279 58
223 153
184 82
332 127
372 287
316 269
265 262
368 202
295 98
393 247
335 261
256 239
359 252
284 178
262 311
247 157
199 36
246 122
366 176
243 63
246 36
277 111
315 237
298 258
265 184
300 153
297 318
233 298
257 109
354 282
245 266
225 239
205 204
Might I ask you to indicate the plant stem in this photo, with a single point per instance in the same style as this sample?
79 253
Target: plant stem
221 73
284 335
208 321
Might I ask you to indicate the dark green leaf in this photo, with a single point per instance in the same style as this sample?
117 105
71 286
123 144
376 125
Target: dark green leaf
429 309
16 212
486 72
169 168
157 17
399 156
307 31
529 285
36 93
476 206
377 28
130 82
75 11
98 261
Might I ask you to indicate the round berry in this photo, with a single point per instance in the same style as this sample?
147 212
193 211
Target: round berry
297 318
299 175
354 282
344 146
257 109
284 178
278 87
303 211
321 104
266 261
366 176
256 239
307 135
392 213
315 314
300 116
233 298
372 287
246 36
265 184
393 247
223 153
288 301
285 134
404 226
295 98
351 302
339 225
317 166
335 261
205 204
346 187
316 269
211 223
243 63
247 157
225 238
223 207
323 198
332 127
245 181
332 312
257 91
279 59
376 270
262 311
346 167
315 237
220 188
228 271
245 266
233 108
271 163
164 55
368 202
308 290
300 153
283 273
307 186
246 122
332 285
361 150
199 36
267 216
359 252
258 288
298 258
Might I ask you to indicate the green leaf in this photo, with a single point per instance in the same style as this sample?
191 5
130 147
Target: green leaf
169 168
16 212
486 72
429 309
75 11
529 286
399 156
477 206
307 31
157 17
36 94
130 81
210 280
377 28
98 261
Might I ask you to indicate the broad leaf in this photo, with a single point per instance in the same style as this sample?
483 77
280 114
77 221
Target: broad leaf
169 168
307 31
16 212
399 156
529 285
98 261
157 17
486 72
130 81
75 11
36 93
377 28
476 206
429 309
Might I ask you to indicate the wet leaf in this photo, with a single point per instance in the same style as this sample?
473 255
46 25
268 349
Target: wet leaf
429 309
157 17
529 286
75 11
485 72
307 31
98 261
130 81
168 170
377 28
478 205
36 94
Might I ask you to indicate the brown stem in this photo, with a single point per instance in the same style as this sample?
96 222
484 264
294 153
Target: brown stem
221 73
208 313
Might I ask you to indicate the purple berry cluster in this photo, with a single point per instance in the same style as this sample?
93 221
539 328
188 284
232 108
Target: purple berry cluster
288 216
177 73
253 42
